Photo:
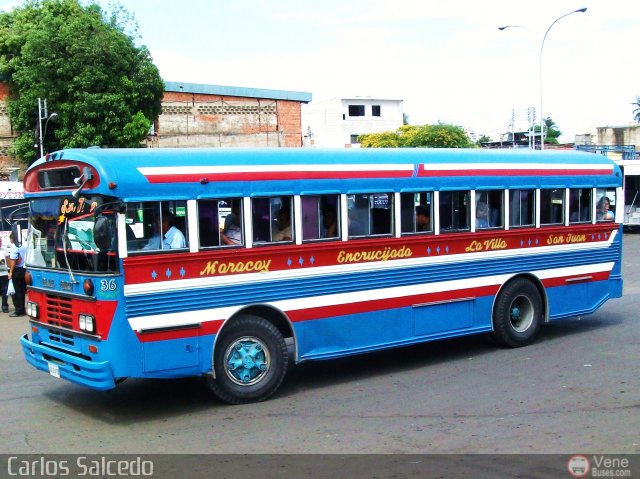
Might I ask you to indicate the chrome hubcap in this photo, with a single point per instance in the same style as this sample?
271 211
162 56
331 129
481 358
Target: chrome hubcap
247 361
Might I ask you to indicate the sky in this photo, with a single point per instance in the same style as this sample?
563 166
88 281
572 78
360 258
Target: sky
445 59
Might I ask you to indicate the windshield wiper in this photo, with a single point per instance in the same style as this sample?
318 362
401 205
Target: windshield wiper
65 238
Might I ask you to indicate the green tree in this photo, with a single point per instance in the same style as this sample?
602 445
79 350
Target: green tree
551 131
387 139
483 139
83 60
441 135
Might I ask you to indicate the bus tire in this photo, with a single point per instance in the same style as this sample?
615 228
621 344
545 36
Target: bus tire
517 314
250 361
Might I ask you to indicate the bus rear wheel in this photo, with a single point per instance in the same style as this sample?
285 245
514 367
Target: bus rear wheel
517 314
250 361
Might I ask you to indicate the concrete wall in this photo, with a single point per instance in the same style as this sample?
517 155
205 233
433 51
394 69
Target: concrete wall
202 120
619 135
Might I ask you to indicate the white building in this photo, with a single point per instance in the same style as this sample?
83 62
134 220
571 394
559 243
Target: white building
339 121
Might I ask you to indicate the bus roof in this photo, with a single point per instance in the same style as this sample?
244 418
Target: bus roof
189 173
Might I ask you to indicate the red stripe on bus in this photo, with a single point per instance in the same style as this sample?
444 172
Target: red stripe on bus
390 303
576 279
206 328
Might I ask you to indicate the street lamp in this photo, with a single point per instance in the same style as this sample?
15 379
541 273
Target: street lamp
580 10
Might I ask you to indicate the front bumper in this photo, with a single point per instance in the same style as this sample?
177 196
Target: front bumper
93 374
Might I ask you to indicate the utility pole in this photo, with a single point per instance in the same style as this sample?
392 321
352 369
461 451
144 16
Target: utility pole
42 108
43 114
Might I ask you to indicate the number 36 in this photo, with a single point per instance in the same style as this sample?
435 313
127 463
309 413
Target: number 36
108 285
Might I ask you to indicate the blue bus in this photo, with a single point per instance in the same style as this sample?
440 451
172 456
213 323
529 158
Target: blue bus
166 263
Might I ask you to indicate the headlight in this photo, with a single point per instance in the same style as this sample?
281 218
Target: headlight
32 309
87 323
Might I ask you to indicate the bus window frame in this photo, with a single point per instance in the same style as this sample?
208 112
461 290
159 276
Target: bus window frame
431 208
470 211
219 228
300 223
489 192
580 209
562 208
292 219
391 196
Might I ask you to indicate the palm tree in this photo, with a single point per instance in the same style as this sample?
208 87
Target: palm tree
636 112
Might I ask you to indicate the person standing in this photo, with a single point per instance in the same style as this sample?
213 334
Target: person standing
16 274
4 279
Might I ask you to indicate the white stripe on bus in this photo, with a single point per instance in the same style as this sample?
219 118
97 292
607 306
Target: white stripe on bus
183 318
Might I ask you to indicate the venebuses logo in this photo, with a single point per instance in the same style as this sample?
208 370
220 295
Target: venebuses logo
578 466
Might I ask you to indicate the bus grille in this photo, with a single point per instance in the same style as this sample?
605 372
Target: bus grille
61 337
59 311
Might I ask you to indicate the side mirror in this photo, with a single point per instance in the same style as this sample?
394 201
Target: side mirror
103 232
15 229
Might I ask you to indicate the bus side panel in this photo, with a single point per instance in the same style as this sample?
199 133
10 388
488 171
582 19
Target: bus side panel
585 297
437 318
572 300
359 333
178 357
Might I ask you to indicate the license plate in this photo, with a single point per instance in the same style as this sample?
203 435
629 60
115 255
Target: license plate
54 370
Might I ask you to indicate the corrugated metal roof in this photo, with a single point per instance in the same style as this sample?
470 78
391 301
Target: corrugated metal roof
303 97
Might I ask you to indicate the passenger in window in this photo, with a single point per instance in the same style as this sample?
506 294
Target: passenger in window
329 221
423 220
482 215
172 237
603 213
232 232
283 226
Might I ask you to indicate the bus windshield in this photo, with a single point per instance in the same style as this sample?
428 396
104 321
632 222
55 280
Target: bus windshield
73 234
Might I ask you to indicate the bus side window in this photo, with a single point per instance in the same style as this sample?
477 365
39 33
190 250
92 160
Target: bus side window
605 204
580 205
489 209
320 217
208 229
370 214
272 219
156 226
416 211
552 206
522 208
454 211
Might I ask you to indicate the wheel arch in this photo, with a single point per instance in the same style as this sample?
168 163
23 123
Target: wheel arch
539 286
274 315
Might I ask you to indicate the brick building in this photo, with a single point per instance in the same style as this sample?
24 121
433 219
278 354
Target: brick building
196 115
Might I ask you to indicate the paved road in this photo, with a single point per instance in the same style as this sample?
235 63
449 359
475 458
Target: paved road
576 390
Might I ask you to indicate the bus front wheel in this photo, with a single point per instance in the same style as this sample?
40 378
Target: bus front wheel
517 314
250 361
